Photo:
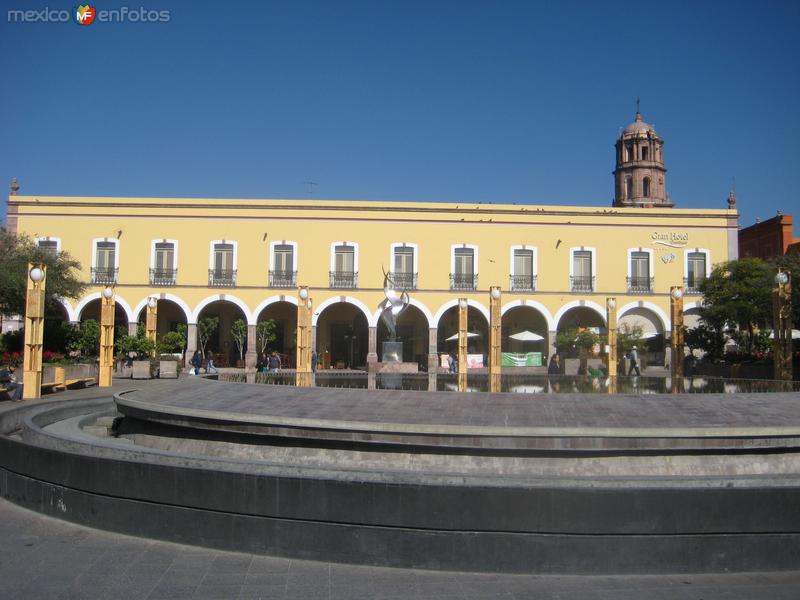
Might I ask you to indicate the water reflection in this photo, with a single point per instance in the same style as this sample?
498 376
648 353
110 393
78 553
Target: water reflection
526 384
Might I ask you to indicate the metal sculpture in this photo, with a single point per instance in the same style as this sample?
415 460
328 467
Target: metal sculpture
395 303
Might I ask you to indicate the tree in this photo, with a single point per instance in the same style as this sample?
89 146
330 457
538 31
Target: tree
239 333
206 327
16 251
629 336
86 339
265 334
136 346
709 339
738 292
171 342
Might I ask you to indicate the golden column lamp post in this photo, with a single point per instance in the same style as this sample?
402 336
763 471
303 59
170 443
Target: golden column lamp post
676 316
463 307
611 319
303 367
495 330
151 325
107 338
782 330
34 332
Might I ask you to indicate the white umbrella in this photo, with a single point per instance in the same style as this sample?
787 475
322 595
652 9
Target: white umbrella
526 336
455 336
795 334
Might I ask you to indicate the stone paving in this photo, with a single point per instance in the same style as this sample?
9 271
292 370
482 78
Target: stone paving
47 559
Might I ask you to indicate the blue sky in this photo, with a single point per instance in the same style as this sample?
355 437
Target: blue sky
407 100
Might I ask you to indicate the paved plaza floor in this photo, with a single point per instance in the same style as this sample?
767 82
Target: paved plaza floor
46 559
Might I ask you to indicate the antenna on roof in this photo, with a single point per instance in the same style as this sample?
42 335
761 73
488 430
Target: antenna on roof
309 187
637 104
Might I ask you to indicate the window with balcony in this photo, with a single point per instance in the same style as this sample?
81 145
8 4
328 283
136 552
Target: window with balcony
344 273
403 271
49 245
164 271
104 271
283 273
223 271
523 277
464 276
696 271
640 280
582 277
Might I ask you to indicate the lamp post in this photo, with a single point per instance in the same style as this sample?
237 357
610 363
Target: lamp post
106 338
611 320
303 366
34 332
782 330
463 307
676 316
151 324
495 331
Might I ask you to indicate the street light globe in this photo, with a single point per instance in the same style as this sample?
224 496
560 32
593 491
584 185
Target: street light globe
309 304
496 293
151 302
36 274
781 278
462 303
611 303
304 293
677 293
108 293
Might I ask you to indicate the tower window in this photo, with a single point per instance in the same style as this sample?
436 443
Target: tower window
629 188
644 152
628 153
646 187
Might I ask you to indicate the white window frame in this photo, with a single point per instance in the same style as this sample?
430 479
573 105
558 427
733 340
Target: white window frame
174 252
355 254
535 261
572 252
295 255
394 245
686 253
651 263
211 253
49 238
453 249
115 241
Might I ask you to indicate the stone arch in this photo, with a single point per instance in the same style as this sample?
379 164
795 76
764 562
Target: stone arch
551 323
348 300
415 303
187 312
579 304
654 308
96 296
290 298
223 298
451 303
72 316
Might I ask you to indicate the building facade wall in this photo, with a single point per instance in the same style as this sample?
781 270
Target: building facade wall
314 227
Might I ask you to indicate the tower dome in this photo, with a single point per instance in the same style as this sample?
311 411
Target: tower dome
640 175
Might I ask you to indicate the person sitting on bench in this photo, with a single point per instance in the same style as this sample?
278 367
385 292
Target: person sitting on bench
8 379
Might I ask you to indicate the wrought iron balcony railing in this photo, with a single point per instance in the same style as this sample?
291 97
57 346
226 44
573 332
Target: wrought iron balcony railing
163 276
582 283
344 279
104 275
523 283
640 285
691 285
222 277
405 281
283 279
461 281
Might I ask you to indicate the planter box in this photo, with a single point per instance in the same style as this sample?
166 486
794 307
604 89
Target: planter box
168 369
141 370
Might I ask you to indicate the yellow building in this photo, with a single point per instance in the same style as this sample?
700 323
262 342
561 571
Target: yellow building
245 259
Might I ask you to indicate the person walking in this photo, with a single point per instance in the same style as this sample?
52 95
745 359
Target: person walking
313 361
634 361
197 361
210 368
554 368
274 362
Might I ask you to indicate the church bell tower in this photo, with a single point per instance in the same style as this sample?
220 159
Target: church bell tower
640 176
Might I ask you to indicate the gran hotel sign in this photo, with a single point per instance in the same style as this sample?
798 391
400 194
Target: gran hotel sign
664 242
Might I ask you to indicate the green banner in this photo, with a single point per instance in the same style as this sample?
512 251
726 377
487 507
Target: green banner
521 359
